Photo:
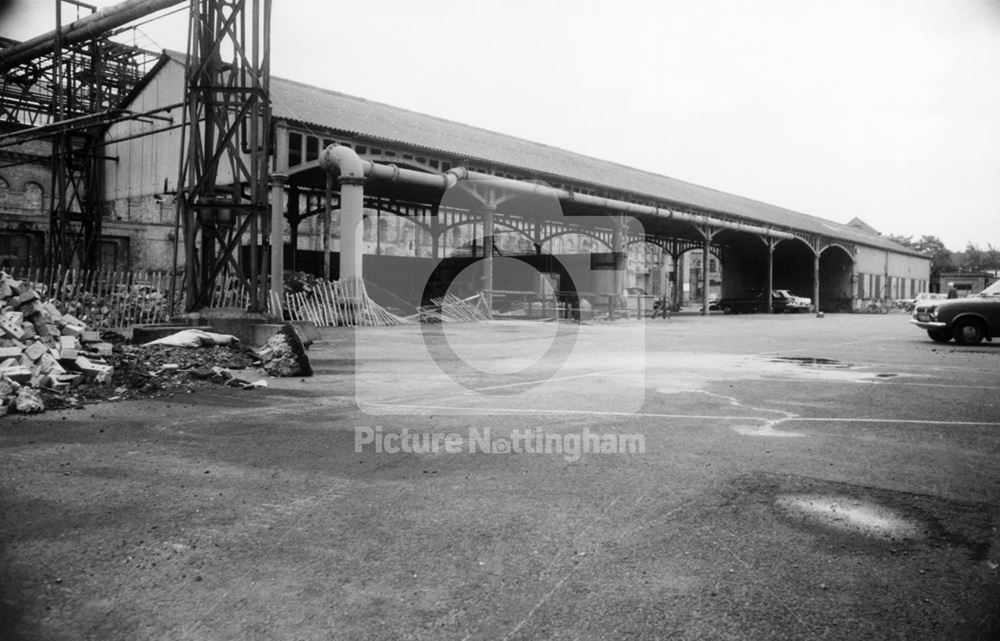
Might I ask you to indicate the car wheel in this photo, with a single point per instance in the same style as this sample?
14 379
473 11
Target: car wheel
726 309
968 331
939 335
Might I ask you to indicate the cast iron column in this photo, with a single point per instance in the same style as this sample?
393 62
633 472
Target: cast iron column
277 239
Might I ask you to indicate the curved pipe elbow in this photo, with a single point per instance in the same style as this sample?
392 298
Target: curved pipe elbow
454 175
343 159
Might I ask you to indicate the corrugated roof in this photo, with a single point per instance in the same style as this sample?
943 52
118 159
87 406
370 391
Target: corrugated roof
335 111
341 112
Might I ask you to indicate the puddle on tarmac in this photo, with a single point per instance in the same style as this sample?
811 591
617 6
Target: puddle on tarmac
848 514
683 372
812 361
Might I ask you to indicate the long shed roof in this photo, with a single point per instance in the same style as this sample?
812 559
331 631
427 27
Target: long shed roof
334 111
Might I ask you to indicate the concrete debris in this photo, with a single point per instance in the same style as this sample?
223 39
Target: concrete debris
28 401
50 359
44 347
284 354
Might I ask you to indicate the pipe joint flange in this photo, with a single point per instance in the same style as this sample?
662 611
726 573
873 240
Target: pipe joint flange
351 180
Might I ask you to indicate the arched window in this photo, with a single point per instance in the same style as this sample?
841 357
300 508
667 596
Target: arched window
33 196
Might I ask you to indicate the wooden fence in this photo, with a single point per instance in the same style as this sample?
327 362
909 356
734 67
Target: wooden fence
106 300
113 300
332 303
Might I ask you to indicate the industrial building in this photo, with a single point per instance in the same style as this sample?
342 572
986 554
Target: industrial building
552 209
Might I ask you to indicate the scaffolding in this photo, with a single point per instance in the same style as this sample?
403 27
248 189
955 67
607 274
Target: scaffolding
68 86
224 204
64 88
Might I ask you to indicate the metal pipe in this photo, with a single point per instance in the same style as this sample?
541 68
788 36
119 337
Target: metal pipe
81 30
352 180
354 169
458 174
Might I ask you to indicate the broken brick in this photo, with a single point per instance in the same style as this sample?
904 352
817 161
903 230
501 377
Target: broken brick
50 310
91 368
49 365
69 319
10 323
69 379
35 350
102 349
72 330
18 374
10 352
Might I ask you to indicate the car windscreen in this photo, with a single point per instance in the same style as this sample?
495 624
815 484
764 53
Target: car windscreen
992 290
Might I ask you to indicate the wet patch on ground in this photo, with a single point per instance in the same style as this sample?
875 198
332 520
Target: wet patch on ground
853 516
812 361
819 365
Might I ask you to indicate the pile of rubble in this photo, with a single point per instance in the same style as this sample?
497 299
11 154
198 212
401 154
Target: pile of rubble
42 347
49 358
284 354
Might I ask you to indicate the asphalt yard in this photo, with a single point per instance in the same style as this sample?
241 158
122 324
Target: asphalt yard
737 477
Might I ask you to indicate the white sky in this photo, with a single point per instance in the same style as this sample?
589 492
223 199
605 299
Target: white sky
888 110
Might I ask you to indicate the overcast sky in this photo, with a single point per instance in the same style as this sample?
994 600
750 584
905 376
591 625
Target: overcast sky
888 110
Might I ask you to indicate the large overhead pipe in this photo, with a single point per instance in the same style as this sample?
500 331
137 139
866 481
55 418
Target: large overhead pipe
354 171
81 30
456 174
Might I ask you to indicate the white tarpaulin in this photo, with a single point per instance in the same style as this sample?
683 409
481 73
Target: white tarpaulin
195 338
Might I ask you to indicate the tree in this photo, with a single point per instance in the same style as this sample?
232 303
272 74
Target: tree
905 241
933 247
973 258
992 257
941 259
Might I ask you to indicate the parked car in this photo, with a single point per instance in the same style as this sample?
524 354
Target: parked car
713 305
793 303
755 301
967 320
911 304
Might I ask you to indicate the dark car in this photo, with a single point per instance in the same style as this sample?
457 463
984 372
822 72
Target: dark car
967 320
752 302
